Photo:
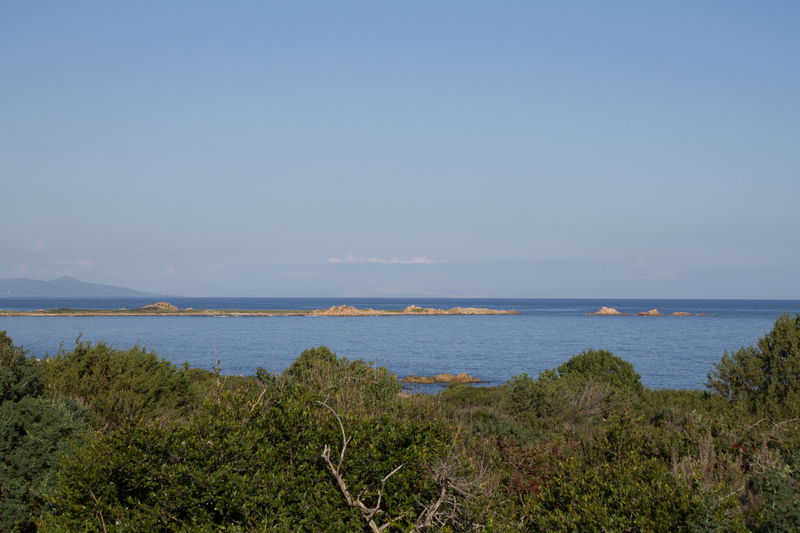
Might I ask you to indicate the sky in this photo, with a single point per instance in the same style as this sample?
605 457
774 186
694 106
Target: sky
466 149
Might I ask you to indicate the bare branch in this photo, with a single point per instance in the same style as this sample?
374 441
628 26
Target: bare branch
102 522
366 512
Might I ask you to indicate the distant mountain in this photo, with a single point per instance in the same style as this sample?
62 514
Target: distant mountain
65 287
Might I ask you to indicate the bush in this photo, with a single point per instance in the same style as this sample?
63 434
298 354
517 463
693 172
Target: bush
605 367
618 485
350 387
249 462
35 433
20 375
117 384
590 385
766 378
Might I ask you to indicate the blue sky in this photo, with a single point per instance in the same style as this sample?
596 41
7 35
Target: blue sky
514 149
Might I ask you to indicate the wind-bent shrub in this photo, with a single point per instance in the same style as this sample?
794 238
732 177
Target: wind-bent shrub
35 433
117 384
766 378
247 462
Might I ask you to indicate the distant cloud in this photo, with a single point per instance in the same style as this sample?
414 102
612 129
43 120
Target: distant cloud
169 270
350 258
37 248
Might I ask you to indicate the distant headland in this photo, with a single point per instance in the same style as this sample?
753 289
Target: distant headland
64 287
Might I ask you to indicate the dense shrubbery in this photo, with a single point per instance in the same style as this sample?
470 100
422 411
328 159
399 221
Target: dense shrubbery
36 431
331 445
766 378
117 384
253 461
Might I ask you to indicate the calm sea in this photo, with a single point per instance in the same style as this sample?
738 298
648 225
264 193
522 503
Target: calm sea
667 351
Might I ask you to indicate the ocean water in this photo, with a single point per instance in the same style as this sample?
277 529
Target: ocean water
675 352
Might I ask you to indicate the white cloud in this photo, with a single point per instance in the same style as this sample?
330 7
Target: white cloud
350 258
170 270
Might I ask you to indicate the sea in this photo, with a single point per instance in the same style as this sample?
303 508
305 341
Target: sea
668 352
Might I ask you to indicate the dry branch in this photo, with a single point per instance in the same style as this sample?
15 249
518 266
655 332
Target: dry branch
368 513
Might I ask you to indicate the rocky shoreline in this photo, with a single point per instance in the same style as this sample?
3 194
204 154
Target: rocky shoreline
441 378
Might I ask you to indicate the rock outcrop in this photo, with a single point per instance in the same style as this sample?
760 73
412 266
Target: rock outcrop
606 311
652 312
441 378
161 306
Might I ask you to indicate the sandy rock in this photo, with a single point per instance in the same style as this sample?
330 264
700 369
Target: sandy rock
161 305
441 378
652 312
681 313
606 311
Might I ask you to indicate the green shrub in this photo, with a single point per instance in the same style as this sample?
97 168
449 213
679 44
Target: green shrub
117 384
766 378
590 385
350 387
603 366
20 375
35 432
247 462
621 486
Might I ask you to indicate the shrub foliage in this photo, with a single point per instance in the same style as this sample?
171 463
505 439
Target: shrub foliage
120 383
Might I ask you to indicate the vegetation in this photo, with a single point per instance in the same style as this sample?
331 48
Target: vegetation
764 378
117 384
36 431
331 444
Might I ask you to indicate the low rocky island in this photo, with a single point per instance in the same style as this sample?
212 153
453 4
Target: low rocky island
166 309
347 310
609 311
